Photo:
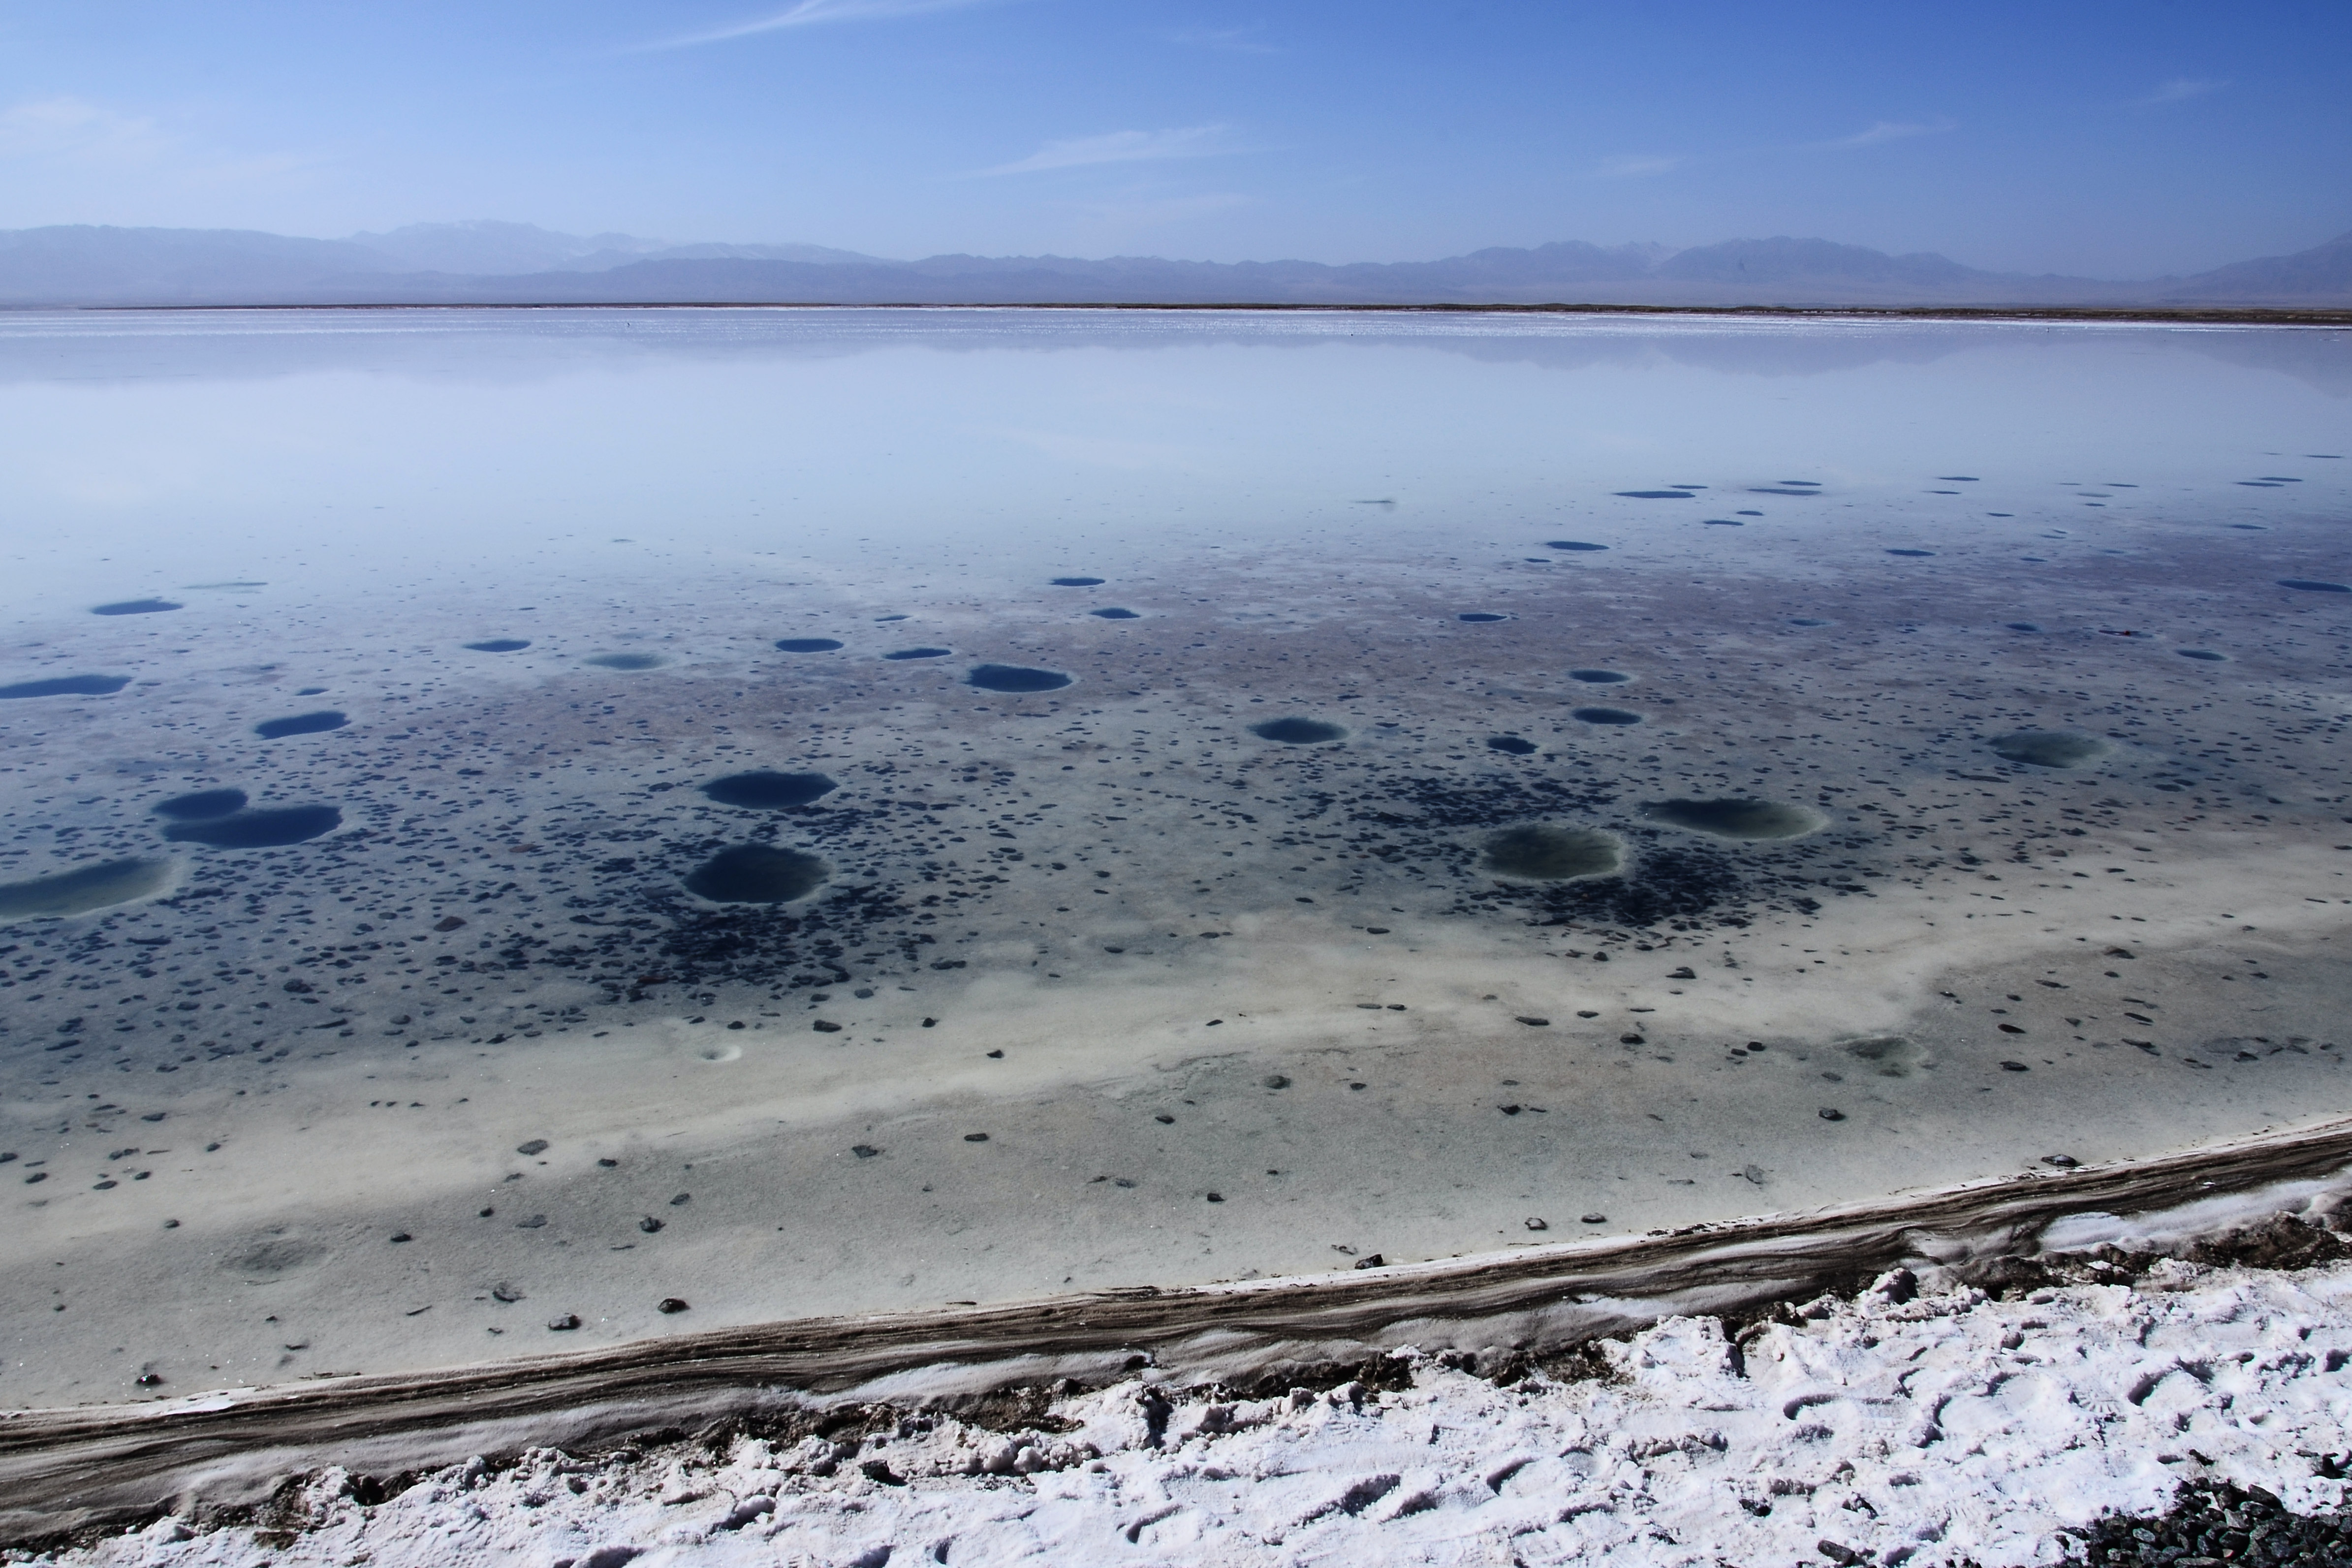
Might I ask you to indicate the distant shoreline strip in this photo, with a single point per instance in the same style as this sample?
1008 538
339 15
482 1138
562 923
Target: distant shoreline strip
2252 315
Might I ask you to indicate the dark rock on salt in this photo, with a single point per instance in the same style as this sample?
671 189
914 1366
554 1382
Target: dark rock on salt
565 1322
536 1146
671 1304
1829 1114
649 1225
2211 1522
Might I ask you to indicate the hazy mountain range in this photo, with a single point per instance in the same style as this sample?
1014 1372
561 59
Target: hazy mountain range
507 263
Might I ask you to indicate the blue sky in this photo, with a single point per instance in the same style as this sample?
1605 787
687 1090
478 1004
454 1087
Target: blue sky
2103 139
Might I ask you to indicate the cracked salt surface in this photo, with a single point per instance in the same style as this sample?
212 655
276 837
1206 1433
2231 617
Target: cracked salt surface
1927 1429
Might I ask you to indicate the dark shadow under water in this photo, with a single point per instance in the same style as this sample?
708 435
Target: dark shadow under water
68 686
265 829
757 874
765 790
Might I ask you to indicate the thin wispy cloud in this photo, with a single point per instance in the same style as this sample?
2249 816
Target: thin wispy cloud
2181 88
1647 165
1123 147
75 129
1887 131
1636 166
73 156
815 14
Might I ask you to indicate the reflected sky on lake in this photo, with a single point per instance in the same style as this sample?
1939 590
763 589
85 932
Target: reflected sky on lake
207 446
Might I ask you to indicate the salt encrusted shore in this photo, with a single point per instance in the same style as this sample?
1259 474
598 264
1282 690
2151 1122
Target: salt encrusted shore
1988 1424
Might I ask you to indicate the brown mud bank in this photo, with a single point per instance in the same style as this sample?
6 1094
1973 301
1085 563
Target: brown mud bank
70 1472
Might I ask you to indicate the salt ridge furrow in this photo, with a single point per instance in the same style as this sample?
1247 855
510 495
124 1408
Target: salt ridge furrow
1927 1430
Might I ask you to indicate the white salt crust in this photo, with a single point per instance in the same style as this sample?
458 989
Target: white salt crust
1949 1428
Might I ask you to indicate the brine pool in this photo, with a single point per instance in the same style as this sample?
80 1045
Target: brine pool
525 829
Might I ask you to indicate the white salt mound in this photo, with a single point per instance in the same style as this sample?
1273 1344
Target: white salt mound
1937 1430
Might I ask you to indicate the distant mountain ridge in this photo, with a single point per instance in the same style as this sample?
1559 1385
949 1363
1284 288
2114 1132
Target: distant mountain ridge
485 247
491 262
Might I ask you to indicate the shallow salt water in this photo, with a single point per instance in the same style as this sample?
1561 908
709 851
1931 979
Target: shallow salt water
742 871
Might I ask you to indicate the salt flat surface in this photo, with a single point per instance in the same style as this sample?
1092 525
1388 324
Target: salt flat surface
439 1037
1938 1429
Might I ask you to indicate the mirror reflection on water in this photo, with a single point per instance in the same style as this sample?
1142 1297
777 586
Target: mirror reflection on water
519 816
